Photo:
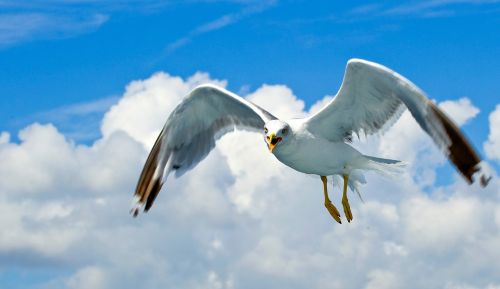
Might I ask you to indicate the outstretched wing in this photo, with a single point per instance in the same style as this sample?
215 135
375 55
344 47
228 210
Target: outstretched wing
189 134
373 97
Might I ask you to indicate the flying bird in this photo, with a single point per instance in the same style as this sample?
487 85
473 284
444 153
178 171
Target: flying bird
370 98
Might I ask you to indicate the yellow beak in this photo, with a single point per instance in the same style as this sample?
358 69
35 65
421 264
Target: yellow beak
272 141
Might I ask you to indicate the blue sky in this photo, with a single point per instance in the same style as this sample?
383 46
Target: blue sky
58 53
74 73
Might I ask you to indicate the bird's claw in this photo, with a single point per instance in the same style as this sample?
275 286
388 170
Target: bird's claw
347 209
333 212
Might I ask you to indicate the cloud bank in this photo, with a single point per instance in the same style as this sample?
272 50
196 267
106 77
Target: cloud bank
240 219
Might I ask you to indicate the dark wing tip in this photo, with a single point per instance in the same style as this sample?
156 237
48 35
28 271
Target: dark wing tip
460 152
155 189
150 182
134 212
484 180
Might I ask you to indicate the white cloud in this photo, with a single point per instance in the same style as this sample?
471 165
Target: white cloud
272 257
428 229
24 230
379 279
240 219
88 277
461 111
320 104
273 98
492 145
4 138
452 285
155 97
391 248
45 163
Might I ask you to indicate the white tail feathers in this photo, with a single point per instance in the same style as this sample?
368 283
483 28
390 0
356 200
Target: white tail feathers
385 167
356 180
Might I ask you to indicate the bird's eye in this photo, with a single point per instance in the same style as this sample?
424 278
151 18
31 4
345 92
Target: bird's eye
265 130
284 131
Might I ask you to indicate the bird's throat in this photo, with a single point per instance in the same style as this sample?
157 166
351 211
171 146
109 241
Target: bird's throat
273 143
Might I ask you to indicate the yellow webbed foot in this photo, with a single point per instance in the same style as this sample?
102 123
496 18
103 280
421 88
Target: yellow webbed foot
333 211
345 201
328 204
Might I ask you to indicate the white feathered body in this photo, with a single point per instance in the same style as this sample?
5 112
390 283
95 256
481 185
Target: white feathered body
309 154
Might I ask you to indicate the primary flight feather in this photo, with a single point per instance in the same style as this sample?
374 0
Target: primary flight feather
370 98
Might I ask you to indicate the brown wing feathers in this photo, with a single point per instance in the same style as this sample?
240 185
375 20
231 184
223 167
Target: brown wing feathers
460 151
149 184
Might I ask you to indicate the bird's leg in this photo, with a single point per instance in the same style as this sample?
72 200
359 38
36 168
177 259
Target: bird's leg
345 201
328 204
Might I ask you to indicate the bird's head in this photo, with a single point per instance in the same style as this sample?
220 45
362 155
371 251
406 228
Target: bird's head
275 132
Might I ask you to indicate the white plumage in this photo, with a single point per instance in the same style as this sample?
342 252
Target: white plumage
371 98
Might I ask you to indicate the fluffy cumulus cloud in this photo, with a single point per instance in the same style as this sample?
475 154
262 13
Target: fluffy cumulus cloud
240 219
145 105
492 146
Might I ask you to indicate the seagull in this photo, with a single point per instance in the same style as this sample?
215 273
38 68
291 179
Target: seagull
371 98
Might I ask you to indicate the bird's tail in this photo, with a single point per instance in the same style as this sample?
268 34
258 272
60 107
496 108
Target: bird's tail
384 167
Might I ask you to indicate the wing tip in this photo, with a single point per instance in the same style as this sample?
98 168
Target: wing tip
459 150
151 178
153 193
145 196
136 207
134 212
482 173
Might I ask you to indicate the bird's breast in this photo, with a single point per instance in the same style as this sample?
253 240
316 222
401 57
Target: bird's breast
315 156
